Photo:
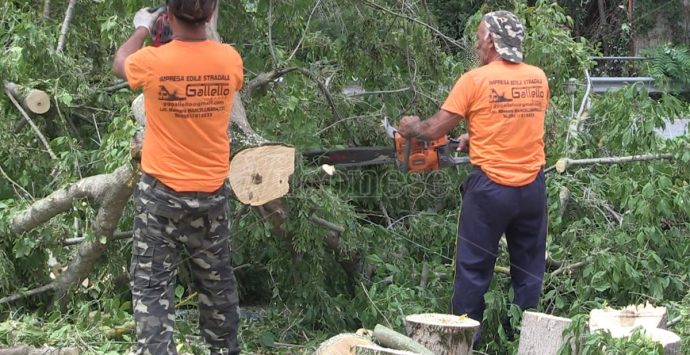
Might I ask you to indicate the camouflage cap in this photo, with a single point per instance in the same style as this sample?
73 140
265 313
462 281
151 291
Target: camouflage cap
507 33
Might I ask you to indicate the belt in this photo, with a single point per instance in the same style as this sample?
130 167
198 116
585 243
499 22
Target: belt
157 184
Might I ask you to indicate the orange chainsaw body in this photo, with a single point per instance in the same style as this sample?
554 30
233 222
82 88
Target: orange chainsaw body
424 155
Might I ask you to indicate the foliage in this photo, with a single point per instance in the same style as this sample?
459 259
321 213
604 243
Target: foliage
628 222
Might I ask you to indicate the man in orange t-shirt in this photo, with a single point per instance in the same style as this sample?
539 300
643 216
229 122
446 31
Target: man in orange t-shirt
504 102
181 201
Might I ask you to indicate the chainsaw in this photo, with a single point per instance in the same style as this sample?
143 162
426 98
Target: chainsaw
410 155
161 33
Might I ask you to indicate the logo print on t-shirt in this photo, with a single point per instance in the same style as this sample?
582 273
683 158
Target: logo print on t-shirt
495 97
165 95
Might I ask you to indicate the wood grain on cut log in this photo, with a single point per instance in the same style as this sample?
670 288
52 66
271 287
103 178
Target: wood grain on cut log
644 315
33 100
342 344
389 338
377 350
261 174
541 334
442 333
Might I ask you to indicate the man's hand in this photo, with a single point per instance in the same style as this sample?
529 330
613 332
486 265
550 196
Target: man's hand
464 144
145 18
409 126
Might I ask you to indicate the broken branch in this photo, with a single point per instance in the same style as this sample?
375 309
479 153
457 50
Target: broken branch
65 25
564 163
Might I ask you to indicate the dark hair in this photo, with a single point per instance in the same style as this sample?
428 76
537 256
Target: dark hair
193 12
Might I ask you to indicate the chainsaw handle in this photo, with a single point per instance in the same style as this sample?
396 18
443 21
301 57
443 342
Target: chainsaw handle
154 9
404 165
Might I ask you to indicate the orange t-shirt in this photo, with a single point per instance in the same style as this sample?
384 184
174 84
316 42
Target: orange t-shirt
504 105
188 89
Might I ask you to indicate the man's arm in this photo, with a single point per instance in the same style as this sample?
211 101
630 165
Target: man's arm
436 126
133 44
143 21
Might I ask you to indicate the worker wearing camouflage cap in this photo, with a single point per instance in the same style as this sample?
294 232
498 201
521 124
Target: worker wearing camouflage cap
504 103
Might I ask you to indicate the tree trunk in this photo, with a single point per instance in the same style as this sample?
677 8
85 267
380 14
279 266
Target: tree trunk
541 334
443 334
394 340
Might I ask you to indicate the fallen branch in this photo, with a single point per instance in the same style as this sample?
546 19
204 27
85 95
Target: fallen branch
31 123
674 321
571 267
49 287
564 163
324 223
116 87
65 25
110 192
380 92
116 236
324 90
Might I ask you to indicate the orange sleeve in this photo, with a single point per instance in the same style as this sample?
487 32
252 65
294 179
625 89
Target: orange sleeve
461 96
138 68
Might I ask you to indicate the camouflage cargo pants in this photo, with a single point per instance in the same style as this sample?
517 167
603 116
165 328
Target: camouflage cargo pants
165 221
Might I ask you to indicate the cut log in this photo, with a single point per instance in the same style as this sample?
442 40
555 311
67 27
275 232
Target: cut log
33 100
442 333
632 316
261 174
541 334
342 344
377 350
394 340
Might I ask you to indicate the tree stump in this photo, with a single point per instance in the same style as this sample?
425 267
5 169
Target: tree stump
343 344
377 350
541 334
442 333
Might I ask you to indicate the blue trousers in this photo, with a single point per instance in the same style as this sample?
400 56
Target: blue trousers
488 211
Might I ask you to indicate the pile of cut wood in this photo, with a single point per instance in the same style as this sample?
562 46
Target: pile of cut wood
427 334
541 334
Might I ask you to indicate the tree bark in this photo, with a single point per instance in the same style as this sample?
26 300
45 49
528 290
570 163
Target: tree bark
442 333
65 25
541 334
391 339
564 163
